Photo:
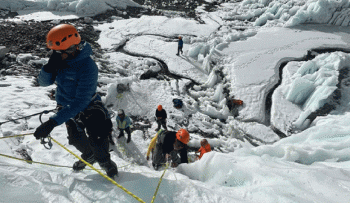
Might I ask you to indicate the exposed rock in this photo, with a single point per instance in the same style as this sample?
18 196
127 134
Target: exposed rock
3 51
29 37
4 13
88 20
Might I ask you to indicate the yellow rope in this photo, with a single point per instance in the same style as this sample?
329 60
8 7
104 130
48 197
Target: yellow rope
119 96
42 163
93 168
16 135
99 172
12 157
160 180
47 164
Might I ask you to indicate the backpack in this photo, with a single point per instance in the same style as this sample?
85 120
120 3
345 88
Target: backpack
161 136
158 158
177 103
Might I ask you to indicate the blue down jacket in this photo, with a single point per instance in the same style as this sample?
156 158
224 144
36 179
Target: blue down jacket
76 84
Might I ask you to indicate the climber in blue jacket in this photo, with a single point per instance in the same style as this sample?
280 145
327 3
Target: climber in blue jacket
79 106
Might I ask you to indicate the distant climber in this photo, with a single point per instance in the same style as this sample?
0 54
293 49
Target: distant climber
161 117
180 45
205 147
168 145
233 105
123 124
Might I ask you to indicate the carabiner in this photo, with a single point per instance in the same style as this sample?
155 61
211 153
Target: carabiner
43 142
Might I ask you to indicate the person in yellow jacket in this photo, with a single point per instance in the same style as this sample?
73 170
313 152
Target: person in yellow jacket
169 145
152 145
123 124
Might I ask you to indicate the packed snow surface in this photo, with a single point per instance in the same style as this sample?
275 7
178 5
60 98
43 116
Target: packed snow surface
239 50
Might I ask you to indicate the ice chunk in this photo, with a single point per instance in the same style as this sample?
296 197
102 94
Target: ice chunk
300 90
307 68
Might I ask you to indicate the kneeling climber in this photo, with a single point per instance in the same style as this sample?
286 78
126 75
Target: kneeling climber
169 145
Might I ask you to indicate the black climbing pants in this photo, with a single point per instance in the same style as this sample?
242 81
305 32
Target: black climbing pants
93 143
127 130
161 122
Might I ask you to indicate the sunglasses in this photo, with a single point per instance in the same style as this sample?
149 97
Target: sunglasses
69 50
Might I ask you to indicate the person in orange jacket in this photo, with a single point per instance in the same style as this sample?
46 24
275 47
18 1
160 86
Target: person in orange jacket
205 147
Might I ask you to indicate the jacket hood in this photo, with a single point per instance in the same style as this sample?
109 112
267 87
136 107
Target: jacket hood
85 52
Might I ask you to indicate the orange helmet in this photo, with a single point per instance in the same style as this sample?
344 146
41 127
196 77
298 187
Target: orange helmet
183 136
61 37
180 37
160 107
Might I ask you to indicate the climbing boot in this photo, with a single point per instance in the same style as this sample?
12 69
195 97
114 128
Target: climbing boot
79 165
156 166
110 138
120 135
129 139
110 167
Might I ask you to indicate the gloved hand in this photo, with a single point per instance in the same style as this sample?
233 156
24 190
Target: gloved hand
55 62
45 129
167 157
147 158
173 164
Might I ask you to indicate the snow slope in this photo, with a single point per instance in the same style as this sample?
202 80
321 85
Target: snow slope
240 50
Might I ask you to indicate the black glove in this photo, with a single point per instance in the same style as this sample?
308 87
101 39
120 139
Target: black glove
55 62
45 129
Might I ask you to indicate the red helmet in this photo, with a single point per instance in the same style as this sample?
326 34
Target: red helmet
183 136
61 37
160 107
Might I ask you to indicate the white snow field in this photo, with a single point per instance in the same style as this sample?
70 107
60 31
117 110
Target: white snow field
287 60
